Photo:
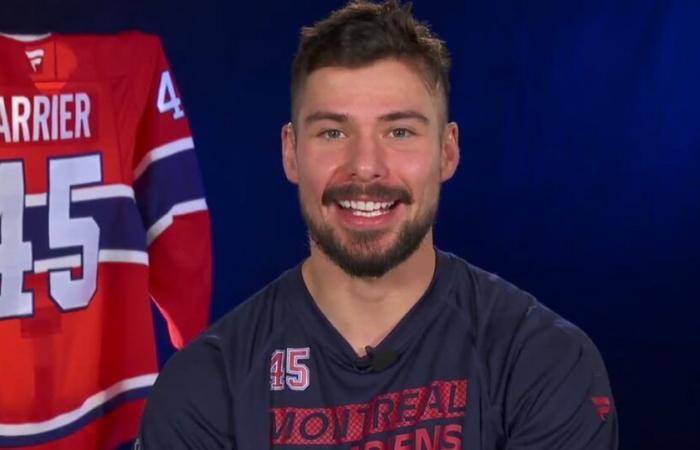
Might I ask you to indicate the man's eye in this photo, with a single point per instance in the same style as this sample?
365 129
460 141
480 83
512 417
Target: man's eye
331 134
401 133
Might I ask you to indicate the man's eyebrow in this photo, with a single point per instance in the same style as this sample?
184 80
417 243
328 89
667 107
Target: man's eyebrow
325 115
408 114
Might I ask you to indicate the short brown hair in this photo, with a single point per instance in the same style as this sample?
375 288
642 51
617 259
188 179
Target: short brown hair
364 32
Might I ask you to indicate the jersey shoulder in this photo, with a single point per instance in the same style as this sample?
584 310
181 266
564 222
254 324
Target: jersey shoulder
517 338
491 303
210 366
482 297
505 322
265 306
128 55
129 47
248 329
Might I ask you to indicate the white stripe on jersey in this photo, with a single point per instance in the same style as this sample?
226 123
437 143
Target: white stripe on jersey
124 256
92 402
105 255
161 152
179 209
84 194
102 191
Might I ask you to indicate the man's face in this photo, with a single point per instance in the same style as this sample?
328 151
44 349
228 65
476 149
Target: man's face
369 152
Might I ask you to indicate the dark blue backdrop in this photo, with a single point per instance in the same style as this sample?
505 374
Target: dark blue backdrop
580 174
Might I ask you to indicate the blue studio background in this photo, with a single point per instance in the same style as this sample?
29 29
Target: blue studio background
580 173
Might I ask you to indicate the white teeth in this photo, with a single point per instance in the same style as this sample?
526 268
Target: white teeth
363 206
368 214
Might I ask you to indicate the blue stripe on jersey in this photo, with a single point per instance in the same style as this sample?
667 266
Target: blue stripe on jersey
120 225
93 414
118 218
167 182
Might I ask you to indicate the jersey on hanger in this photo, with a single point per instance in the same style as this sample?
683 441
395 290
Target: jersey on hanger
101 210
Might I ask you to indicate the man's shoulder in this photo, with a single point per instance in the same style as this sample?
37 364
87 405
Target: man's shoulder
482 295
240 332
268 305
498 310
518 338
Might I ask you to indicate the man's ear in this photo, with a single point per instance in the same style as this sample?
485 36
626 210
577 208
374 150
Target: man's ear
449 157
289 154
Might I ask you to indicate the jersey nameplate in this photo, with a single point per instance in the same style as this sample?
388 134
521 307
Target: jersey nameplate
45 118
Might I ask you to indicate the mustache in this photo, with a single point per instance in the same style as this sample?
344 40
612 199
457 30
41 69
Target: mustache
376 191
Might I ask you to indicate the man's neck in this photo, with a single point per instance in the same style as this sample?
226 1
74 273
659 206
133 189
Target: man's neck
365 310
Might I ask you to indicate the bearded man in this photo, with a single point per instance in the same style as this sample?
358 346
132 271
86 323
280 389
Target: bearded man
378 340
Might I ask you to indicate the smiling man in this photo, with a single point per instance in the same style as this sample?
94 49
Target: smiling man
378 340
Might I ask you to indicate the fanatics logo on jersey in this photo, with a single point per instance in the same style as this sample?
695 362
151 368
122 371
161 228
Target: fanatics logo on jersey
36 59
287 369
602 404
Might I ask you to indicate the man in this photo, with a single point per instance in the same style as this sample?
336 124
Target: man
378 340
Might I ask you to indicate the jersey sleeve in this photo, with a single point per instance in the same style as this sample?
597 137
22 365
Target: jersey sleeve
170 197
189 407
559 396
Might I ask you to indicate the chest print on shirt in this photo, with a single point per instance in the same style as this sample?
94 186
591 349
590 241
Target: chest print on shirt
427 417
288 371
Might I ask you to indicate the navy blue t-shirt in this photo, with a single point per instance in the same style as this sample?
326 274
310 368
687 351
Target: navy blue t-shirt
476 364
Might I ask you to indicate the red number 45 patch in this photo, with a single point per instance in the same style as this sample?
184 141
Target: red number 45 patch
287 369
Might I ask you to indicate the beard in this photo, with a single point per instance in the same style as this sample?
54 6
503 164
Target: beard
360 256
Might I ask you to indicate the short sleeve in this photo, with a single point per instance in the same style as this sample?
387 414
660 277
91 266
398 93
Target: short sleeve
190 405
559 396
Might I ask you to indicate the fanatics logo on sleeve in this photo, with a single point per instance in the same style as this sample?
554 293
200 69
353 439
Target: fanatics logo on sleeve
603 406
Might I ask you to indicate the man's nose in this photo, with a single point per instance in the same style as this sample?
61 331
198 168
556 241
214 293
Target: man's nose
366 159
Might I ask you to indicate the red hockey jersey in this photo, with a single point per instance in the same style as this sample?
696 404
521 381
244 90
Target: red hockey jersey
101 210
